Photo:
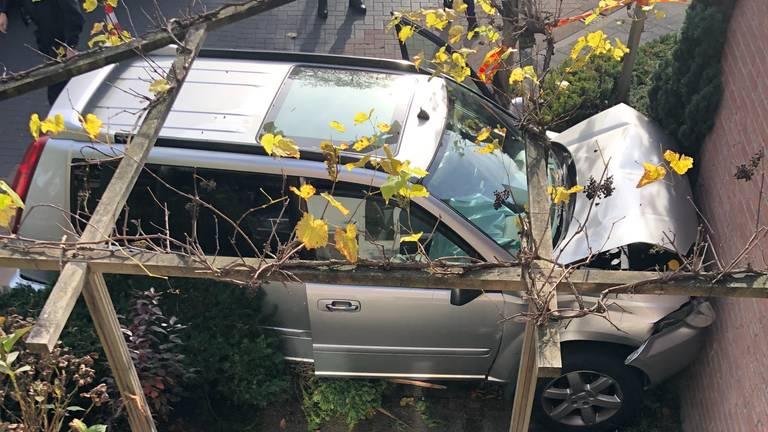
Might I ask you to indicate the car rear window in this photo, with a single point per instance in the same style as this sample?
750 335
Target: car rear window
313 97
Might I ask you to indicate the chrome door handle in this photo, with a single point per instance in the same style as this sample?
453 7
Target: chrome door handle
339 305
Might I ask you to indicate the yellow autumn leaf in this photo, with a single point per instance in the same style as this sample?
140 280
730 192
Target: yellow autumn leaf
530 72
112 3
90 5
91 125
577 47
459 5
7 211
268 141
15 198
383 127
651 174
286 147
411 237
417 59
312 232
362 117
98 40
660 14
305 191
413 191
346 242
338 126
560 194
595 39
9 202
680 163
337 205
362 144
159 86
53 125
619 50
430 18
488 148
440 56
405 33
483 134
516 75
359 164
487 7
278 145
34 126
455 34
417 172
97 28
595 14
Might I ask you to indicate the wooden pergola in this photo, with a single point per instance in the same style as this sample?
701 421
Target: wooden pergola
82 268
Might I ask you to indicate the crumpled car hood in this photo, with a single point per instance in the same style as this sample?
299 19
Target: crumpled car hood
623 139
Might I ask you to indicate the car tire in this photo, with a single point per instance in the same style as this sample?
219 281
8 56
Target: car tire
596 392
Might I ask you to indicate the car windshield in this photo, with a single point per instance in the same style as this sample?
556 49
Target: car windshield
312 97
479 170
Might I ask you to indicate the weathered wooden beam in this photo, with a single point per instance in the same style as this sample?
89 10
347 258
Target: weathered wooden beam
588 282
535 354
110 334
50 73
65 293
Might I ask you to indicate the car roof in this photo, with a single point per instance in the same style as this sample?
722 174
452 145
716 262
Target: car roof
225 98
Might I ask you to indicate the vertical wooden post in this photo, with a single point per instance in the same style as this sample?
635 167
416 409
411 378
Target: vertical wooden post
633 43
540 240
111 336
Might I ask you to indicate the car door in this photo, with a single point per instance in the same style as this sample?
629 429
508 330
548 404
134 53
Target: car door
427 43
380 329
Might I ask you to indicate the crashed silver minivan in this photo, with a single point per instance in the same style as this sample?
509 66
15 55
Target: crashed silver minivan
209 144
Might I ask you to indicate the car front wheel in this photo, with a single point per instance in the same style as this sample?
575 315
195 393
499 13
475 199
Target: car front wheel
596 391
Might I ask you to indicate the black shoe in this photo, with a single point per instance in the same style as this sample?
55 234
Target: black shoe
358 6
322 9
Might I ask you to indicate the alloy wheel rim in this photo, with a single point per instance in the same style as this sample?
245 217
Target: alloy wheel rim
582 398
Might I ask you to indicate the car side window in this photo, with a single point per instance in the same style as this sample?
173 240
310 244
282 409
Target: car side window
383 228
253 201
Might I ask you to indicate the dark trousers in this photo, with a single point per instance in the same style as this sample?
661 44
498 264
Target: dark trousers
54 90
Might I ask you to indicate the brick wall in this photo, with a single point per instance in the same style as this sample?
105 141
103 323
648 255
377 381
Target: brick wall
727 388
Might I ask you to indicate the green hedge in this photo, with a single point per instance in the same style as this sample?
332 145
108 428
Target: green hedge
589 91
590 88
651 56
687 86
238 367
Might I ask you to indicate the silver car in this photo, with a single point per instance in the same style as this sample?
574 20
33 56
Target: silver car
209 144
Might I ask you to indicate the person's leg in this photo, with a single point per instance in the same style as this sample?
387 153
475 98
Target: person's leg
46 46
322 8
55 90
471 17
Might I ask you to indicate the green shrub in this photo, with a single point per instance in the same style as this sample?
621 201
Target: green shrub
238 366
687 86
79 334
589 91
651 56
350 399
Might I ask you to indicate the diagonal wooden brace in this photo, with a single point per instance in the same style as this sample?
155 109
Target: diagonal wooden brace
65 293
